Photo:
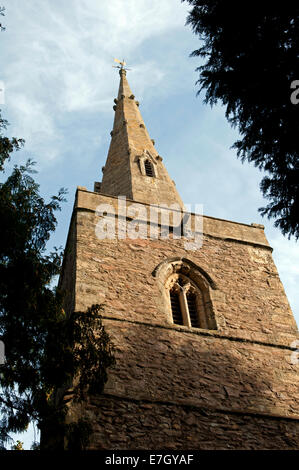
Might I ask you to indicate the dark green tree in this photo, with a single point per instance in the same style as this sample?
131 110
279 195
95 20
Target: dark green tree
51 357
250 53
45 349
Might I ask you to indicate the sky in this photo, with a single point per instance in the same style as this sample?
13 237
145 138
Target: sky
59 86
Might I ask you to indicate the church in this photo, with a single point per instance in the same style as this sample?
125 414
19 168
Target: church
203 333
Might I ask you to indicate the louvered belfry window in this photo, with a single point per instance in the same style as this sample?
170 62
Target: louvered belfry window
176 308
148 168
187 306
193 315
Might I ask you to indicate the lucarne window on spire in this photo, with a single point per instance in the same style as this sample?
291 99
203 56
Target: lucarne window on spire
148 168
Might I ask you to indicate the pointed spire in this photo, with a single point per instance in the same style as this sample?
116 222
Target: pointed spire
134 168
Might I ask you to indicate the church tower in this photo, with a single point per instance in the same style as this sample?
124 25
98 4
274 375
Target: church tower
133 168
204 337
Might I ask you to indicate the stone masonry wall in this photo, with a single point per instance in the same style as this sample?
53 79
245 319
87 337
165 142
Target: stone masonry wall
175 387
130 424
167 364
68 279
249 300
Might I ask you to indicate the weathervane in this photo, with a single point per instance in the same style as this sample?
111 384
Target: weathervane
121 66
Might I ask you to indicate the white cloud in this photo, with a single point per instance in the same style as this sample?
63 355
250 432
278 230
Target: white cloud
32 112
59 58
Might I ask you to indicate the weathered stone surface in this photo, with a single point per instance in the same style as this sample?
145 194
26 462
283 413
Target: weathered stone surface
249 300
167 426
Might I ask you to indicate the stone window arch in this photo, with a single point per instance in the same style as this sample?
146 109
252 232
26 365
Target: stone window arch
147 164
186 291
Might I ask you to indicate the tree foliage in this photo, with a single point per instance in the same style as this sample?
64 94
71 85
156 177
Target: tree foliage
50 356
251 58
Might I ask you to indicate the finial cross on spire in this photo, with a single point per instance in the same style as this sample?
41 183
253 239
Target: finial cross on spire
121 66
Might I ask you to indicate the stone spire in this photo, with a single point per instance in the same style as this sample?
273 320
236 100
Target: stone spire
134 168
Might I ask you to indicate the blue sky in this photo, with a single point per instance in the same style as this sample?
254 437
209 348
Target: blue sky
59 91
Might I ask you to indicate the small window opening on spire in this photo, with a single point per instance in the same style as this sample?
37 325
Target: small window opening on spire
148 168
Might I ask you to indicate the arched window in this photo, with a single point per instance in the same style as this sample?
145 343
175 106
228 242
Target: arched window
186 301
148 164
187 291
149 171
